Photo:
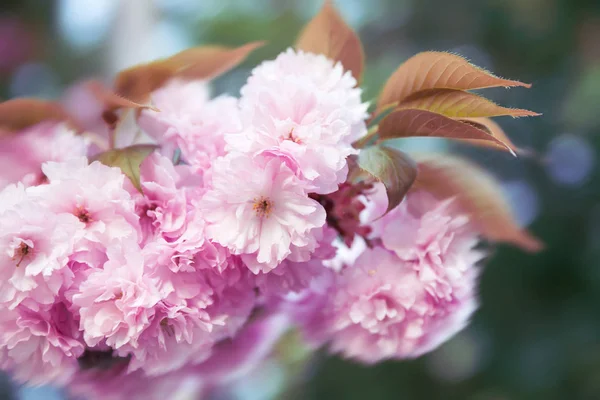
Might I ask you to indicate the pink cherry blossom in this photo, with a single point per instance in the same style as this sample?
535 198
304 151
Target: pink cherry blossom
40 346
188 120
295 274
434 239
35 247
380 309
199 306
178 335
22 154
244 225
289 277
302 105
258 208
203 299
163 206
95 195
407 296
116 303
316 71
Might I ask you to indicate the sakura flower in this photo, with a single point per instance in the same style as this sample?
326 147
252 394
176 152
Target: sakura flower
116 303
163 206
204 299
40 346
182 326
184 331
289 277
22 155
234 298
188 120
258 208
178 335
307 111
434 239
293 276
206 141
318 72
35 246
95 195
189 320
12 195
379 309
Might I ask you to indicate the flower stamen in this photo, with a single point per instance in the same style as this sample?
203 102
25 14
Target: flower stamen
169 330
83 215
22 252
262 207
291 137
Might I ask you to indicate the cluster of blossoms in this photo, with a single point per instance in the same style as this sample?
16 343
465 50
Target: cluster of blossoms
244 227
154 239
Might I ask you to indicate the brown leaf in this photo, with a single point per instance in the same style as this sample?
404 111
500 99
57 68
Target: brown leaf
112 100
211 61
477 194
393 168
328 34
409 123
459 104
495 130
128 159
138 82
18 114
437 70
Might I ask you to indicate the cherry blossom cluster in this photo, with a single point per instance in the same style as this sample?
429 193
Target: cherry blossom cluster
241 225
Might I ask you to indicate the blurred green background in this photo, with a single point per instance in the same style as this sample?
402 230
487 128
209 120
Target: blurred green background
537 334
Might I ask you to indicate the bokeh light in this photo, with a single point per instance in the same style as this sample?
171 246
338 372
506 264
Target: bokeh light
84 24
570 159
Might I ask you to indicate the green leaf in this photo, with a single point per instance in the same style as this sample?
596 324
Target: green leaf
395 169
128 159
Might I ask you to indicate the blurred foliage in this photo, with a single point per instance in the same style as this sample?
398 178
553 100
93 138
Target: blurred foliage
537 334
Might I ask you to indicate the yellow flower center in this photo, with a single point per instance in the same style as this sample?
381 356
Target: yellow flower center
262 207
291 137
